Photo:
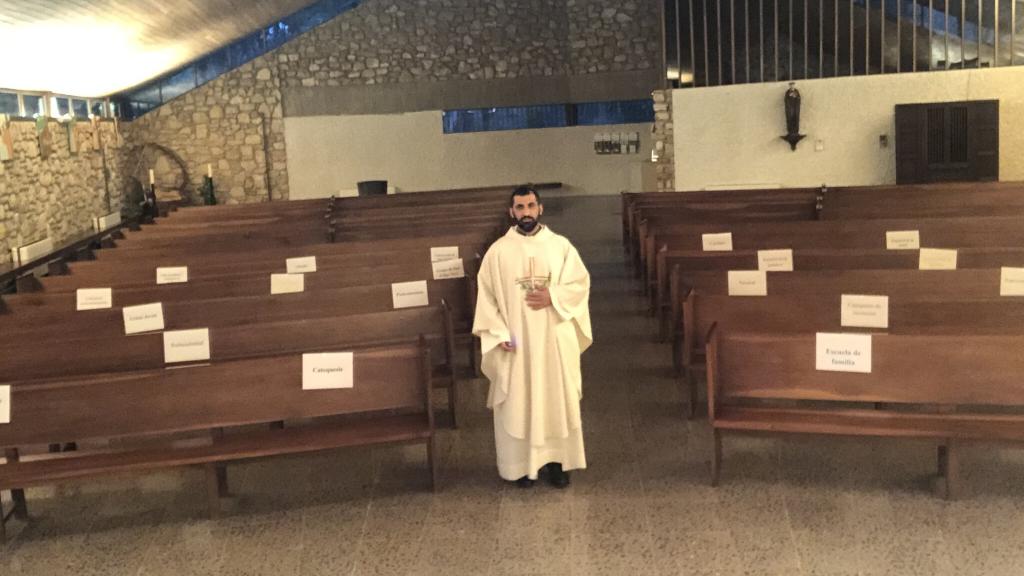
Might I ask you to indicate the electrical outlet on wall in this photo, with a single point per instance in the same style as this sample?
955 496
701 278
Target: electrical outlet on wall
819 145
883 140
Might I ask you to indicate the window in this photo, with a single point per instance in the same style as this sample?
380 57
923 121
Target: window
620 112
59 106
34 105
547 116
80 108
97 108
9 104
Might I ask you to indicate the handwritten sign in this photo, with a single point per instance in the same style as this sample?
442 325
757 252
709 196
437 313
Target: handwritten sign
302 265
903 240
717 242
187 345
447 269
5 404
172 275
842 352
287 283
143 318
442 253
748 283
936 259
1011 281
864 311
775 260
94 298
327 370
409 294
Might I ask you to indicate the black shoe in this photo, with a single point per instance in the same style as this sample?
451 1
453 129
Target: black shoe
556 476
524 482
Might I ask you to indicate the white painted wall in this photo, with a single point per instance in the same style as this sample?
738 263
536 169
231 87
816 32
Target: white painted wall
331 153
730 135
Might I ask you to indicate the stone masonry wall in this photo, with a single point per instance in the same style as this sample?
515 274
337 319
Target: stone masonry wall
664 141
58 195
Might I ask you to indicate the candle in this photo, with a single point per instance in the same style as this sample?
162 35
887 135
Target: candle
152 179
209 170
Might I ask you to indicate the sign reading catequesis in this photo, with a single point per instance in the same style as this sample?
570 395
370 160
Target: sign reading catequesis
775 260
864 311
143 318
717 242
409 294
302 265
903 240
1011 281
187 345
447 269
172 275
442 253
842 352
936 259
327 370
287 283
748 283
94 298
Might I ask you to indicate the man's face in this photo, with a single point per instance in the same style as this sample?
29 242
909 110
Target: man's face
526 211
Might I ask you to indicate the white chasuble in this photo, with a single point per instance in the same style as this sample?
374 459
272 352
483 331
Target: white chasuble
536 389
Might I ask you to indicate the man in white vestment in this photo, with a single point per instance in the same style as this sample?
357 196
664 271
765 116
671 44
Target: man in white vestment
533 322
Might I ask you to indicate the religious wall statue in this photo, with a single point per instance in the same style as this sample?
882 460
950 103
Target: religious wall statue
792 105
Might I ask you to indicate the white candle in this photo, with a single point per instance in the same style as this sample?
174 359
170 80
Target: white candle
152 179
209 170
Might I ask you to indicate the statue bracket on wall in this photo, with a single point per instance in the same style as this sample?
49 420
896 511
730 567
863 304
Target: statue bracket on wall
791 101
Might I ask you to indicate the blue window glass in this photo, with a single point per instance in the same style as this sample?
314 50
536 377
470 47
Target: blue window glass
211 67
178 84
80 108
9 103
620 112
508 118
33 105
63 106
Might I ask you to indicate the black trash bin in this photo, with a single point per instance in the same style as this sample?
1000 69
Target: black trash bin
372 187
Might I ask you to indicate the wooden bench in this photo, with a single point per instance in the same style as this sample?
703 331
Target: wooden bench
389 403
952 389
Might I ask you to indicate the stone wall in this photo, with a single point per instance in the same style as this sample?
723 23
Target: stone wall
56 194
233 123
664 141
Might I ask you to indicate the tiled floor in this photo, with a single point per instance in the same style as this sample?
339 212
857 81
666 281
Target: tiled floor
803 506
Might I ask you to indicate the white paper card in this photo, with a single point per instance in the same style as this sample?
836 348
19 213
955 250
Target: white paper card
1011 282
442 253
327 370
447 269
775 260
302 265
187 345
172 275
5 404
717 242
937 259
143 318
287 283
94 298
842 352
748 283
409 294
865 311
903 240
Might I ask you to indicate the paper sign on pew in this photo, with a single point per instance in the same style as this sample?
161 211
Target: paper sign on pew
775 260
748 283
172 275
409 294
143 318
187 345
717 242
287 283
1011 281
903 240
442 253
864 311
447 269
936 259
5 404
327 371
302 265
837 352
94 298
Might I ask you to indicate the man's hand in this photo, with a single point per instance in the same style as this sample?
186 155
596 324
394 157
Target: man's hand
539 299
507 347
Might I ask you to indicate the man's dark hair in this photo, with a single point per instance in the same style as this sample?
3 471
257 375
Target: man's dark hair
524 191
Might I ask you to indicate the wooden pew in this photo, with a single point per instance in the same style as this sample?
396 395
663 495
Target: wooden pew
391 397
959 387
951 199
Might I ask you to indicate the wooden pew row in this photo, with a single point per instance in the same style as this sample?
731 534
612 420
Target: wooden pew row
679 263
952 390
821 312
940 200
391 397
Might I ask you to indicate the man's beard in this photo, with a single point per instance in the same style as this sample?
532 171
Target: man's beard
526 224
